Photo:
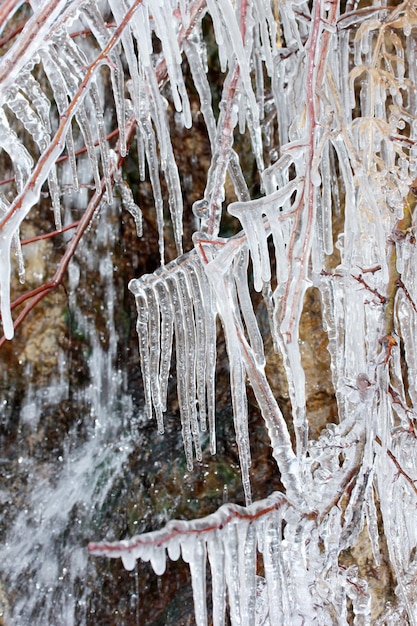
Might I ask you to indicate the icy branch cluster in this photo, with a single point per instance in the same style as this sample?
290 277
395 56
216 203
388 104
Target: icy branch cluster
327 93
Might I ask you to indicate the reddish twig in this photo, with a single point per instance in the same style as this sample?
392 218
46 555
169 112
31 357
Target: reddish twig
407 294
317 49
65 157
54 233
398 466
200 527
42 167
381 298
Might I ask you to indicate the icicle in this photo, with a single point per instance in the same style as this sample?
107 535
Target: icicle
250 216
39 131
257 239
76 61
267 31
174 199
192 49
37 29
142 329
141 154
326 202
129 561
33 123
246 534
167 161
230 543
61 87
167 329
241 279
100 31
194 552
35 95
188 365
104 148
147 135
5 268
182 359
154 348
141 29
118 11
158 560
215 551
251 106
165 31
200 345
20 157
130 205
372 525
240 416
275 576
209 355
282 451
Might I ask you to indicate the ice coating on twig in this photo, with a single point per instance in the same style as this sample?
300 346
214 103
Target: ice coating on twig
327 93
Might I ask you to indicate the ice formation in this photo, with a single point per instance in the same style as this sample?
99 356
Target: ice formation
327 93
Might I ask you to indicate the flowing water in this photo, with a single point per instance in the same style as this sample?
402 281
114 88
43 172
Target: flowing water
67 433
81 462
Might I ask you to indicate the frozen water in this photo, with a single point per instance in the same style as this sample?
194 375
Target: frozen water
327 95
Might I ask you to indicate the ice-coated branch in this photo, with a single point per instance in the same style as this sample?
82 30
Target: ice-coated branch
50 150
31 191
225 263
177 531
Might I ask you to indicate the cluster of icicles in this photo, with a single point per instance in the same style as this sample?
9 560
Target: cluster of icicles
331 156
231 540
341 100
